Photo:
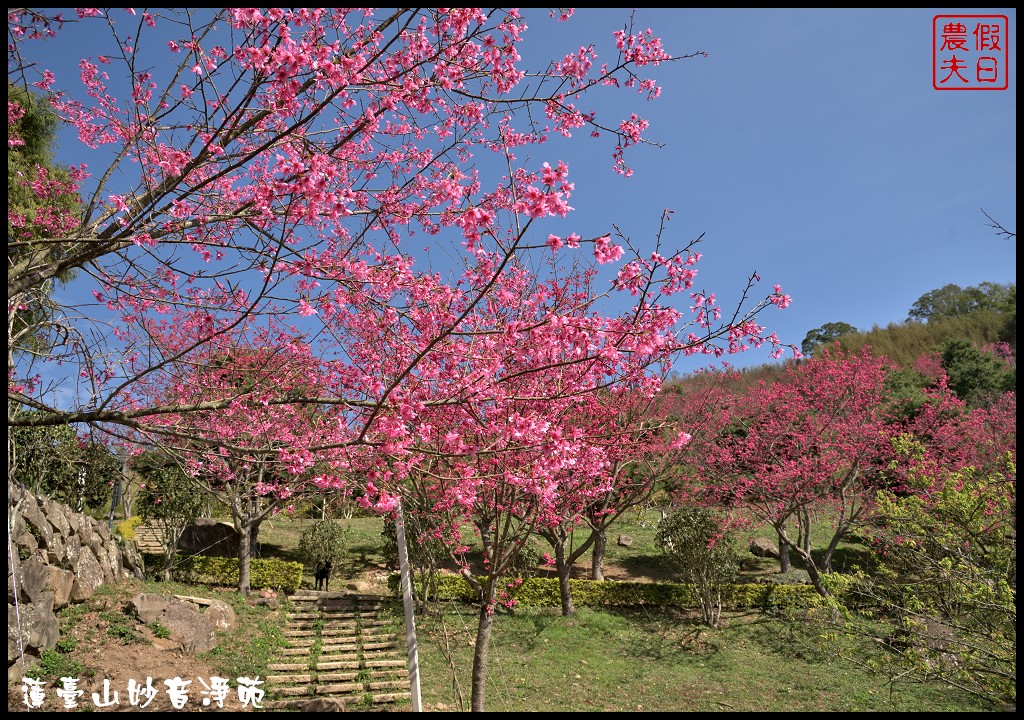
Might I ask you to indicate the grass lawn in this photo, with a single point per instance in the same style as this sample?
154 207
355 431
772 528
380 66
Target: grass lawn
654 659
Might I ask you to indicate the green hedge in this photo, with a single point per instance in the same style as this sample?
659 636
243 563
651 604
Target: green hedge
544 592
270 573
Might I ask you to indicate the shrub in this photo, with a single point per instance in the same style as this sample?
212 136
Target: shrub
694 541
126 528
270 573
322 541
544 592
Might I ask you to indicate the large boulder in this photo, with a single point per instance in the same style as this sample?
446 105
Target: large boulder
194 629
88 576
189 626
210 537
149 606
31 628
61 582
221 615
763 547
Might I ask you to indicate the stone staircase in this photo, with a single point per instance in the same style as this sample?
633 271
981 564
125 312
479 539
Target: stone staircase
339 649
148 539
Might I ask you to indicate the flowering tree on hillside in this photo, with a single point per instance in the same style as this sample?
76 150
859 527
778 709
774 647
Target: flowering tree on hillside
816 439
638 451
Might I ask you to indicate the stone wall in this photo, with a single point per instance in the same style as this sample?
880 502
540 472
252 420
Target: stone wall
55 556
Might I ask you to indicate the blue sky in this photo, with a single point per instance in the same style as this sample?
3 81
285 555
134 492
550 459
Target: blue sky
809 146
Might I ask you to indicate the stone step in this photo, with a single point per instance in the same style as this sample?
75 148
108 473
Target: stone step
393 645
353 687
390 685
285 679
339 653
278 705
350 648
386 673
392 697
297 649
288 666
337 665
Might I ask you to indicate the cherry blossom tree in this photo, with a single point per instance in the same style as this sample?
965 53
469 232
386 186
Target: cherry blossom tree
814 440
258 187
255 163
639 450
241 454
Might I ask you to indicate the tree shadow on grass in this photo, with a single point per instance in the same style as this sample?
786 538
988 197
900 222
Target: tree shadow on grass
646 568
847 558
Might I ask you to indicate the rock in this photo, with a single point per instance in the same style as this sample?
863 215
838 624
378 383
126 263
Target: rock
221 615
166 644
34 575
211 538
189 626
763 547
61 582
149 606
625 541
103 558
27 540
132 560
272 603
54 512
359 586
31 627
37 524
323 705
88 576
72 552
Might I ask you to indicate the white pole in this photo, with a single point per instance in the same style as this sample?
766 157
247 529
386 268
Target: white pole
410 619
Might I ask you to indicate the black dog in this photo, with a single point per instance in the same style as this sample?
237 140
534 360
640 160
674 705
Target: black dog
323 575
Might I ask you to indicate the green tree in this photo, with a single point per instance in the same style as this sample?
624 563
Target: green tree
167 498
952 300
1008 332
53 461
945 584
976 377
33 215
904 388
825 335
695 542
322 541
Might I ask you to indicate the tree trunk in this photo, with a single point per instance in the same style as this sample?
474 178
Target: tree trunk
815 575
564 570
826 559
784 563
483 638
597 560
805 531
484 527
244 556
